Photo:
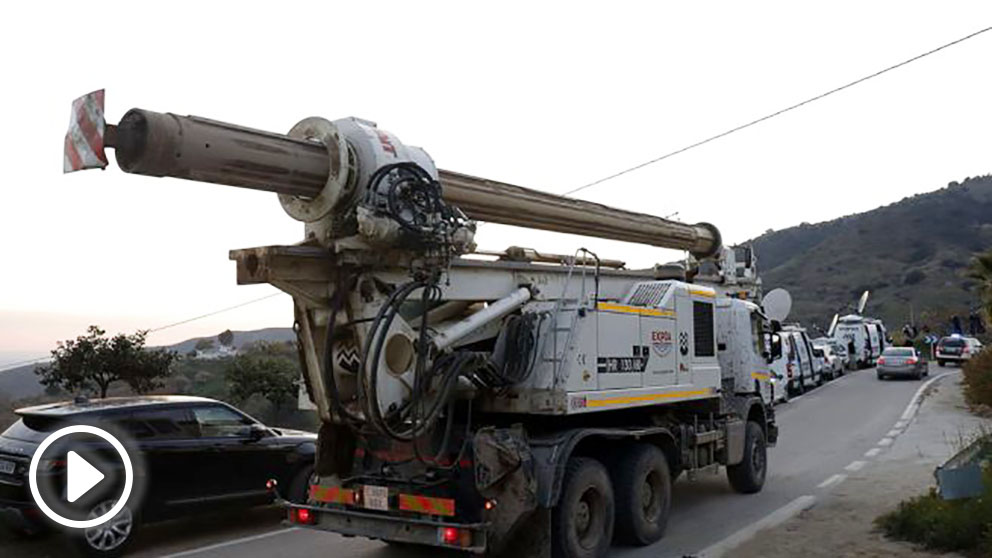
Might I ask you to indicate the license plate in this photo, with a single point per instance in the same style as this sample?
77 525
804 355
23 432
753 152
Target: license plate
375 497
7 467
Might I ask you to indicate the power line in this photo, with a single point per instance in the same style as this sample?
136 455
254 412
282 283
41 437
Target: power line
10 365
214 313
774 114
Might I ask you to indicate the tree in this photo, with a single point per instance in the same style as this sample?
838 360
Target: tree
265 369
204 344
95 361
226 338
980 270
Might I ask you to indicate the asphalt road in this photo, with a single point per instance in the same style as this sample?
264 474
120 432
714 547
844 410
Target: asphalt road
822 432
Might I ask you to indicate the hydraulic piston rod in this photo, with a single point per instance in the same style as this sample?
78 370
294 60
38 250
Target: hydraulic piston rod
193 148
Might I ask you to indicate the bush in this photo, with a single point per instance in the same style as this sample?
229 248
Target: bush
914 277
957 525
978 379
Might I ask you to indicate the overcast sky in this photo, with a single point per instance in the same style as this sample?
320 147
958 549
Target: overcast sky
549 96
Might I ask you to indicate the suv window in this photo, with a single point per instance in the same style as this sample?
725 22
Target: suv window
952 342
220 422
160 424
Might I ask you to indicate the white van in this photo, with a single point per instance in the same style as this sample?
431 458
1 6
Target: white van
853 333
799 369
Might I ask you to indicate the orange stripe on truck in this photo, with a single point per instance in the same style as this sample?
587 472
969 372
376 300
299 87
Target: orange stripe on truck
426 504
332 494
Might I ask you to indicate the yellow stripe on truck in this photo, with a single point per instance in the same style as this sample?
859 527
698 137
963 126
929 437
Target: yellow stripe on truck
760 376
646 398
610 307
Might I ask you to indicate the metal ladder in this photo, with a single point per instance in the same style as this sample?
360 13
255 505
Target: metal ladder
575 306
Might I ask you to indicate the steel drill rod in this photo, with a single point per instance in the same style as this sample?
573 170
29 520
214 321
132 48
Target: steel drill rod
193 148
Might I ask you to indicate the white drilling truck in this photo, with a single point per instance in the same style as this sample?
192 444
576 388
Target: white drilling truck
519 402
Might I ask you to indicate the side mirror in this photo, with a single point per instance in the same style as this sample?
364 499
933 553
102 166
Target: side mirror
774 344
256 432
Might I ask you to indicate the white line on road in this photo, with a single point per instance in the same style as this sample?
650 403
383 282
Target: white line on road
834 480
855 466
894 432
777 517
914 403
230 543
901 424
873 452
885 442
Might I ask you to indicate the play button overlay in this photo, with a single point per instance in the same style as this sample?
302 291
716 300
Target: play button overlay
81 476
84 475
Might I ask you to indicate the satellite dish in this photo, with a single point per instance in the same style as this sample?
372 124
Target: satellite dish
863 302
833 325
777 304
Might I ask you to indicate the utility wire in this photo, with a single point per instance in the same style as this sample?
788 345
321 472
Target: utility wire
774 114
215 312
10 365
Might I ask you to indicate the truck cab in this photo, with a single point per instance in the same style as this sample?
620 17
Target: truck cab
743 348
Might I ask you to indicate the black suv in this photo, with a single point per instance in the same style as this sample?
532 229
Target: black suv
193 454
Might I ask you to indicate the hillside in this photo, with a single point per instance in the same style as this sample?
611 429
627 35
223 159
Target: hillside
21 382
912 251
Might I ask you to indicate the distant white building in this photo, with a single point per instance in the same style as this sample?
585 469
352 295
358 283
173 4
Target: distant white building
216 352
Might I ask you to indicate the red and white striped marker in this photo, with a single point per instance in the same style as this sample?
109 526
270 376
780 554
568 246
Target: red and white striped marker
84 140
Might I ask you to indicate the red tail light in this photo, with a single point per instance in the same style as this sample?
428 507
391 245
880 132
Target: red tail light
304 516
449 535
912 360
881 360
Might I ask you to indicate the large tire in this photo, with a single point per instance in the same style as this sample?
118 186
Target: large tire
582 522
748 476
299 489
109 540
642 485
940 363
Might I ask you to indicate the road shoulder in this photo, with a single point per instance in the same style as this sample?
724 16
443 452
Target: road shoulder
841 522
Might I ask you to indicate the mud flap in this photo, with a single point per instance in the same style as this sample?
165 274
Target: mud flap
504 473
335 450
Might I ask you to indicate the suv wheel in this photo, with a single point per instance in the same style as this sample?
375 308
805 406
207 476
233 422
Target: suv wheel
110 539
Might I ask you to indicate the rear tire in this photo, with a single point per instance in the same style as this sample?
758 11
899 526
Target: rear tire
940 363
748 476
299 489
880 376
582 522
642 485
109 540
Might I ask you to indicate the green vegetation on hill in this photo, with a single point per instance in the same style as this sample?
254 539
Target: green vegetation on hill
915 251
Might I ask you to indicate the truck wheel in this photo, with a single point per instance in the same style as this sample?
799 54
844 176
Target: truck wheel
748 476
940 363
644 495
582 522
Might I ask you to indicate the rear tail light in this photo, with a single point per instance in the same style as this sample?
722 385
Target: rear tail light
881 360
912 360
454 536
303 516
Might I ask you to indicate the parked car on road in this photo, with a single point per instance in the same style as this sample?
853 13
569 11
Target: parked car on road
832 367
957 348
901 361
198 455
839 349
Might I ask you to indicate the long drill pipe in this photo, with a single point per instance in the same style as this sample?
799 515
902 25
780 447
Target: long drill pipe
193 148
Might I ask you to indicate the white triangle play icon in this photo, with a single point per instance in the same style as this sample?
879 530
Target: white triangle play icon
81 476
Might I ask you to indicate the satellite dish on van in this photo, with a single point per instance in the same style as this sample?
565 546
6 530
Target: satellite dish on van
833 325
777 304
863 302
